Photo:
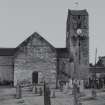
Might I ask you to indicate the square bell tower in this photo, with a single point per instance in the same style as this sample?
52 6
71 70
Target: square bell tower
77 40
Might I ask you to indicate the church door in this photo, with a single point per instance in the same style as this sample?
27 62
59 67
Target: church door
35 77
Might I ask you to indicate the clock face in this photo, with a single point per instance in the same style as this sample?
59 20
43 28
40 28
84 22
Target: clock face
79 31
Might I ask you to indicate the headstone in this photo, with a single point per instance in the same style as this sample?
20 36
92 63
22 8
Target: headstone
66 87
81 85
18 91
93 93
75 93
53 94
47 100
35 89
61 85
40 91
70 83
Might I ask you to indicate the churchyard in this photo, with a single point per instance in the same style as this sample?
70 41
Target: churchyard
57 96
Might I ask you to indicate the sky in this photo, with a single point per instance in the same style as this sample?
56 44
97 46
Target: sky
20 18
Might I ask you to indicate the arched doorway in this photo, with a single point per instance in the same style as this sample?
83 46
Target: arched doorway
35 77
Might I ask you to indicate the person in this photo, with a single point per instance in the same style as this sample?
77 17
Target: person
40 91
61 85
100 83
70 83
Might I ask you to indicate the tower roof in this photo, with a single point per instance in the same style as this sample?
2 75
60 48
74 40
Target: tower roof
78 12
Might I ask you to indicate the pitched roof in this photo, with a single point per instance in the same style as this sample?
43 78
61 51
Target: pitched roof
7 51
35 34
62 52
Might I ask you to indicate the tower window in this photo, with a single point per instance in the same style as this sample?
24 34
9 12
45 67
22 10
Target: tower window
79 21
79 25
79 16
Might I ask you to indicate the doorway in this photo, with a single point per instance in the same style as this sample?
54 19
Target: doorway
35 77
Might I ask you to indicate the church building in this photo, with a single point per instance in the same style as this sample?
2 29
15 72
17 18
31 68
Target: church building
36 60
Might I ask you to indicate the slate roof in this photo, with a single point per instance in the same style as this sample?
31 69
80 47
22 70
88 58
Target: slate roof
62 52
7 51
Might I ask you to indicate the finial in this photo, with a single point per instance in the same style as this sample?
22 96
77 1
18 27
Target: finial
76 4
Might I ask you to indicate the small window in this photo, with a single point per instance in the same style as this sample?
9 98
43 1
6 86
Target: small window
79 25
79 17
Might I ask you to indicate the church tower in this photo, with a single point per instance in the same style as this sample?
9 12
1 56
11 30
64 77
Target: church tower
77 40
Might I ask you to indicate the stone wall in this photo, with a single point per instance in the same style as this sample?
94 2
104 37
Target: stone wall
6 68
35 54
63 69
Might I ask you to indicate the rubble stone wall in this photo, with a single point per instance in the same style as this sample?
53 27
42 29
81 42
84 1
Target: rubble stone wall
36 55
6 68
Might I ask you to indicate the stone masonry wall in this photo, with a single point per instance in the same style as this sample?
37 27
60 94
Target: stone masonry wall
35 55
63 69
6 68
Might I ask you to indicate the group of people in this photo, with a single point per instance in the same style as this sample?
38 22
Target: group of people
64 85
97 83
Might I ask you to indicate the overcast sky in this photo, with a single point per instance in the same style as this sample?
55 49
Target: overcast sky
20 18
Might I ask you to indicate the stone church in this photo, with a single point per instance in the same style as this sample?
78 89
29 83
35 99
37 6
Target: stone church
36 60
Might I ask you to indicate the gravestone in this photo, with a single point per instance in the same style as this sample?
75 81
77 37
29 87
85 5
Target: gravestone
40 91
81 85
18 91
35 89
53 94
70 83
